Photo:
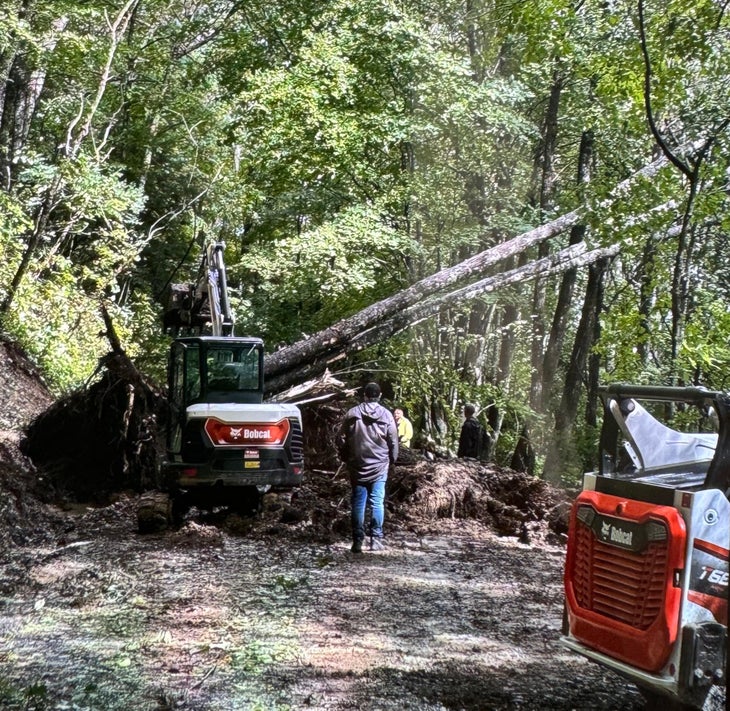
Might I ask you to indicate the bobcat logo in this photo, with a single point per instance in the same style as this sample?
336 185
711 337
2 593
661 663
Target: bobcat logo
605 530
236 432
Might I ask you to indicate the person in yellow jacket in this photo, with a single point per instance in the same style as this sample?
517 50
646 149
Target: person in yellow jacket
405 428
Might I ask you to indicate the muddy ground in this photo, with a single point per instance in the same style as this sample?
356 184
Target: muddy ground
462 611
211 617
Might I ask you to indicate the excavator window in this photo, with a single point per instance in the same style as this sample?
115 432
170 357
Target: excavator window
233 369
214 370
192 374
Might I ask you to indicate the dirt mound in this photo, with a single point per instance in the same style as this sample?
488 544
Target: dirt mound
22 391
512 503
420 498
24 515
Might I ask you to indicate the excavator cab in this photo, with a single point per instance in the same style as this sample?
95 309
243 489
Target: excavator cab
211 369
207 369
220 432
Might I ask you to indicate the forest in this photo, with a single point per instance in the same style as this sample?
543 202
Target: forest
505 203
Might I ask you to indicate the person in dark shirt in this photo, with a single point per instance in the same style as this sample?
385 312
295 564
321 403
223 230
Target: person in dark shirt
368 446
472 437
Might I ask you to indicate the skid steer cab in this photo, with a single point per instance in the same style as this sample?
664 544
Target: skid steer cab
646 574
225 445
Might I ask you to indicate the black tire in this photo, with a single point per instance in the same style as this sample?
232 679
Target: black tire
246 501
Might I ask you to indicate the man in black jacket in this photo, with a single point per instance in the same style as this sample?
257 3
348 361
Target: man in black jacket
473 436
369 446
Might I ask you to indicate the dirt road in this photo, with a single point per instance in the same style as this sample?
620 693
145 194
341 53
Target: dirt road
210 618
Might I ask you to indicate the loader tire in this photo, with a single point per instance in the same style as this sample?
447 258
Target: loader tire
154 512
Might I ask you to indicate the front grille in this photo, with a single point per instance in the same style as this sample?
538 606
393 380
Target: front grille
621 584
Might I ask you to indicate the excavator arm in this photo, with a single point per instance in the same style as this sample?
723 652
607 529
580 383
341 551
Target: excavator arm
202 308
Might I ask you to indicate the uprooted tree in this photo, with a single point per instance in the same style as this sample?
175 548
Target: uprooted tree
389 316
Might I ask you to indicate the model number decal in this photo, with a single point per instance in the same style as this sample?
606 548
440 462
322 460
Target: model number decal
714 576
708 583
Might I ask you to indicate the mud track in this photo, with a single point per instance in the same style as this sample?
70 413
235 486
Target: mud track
205 618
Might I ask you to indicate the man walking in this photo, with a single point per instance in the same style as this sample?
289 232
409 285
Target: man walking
369 446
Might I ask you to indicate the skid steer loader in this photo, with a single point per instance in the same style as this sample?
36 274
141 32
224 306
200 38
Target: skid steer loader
646 572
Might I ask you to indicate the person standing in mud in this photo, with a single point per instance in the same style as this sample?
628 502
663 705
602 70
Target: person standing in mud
473 435
368 444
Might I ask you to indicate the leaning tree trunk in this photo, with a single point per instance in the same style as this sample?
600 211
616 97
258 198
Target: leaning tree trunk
308 367
332 342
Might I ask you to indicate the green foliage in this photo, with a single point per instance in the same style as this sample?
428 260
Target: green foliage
56 306
704 358
59 328
305 282
13 222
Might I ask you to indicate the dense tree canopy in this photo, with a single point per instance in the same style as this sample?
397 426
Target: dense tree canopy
346 151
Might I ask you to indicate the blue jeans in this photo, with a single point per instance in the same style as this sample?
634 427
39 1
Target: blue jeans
373 494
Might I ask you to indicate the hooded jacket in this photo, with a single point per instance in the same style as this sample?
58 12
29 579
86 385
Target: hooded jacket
370 443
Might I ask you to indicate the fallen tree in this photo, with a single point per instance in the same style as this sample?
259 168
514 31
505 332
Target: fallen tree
314 354
568 258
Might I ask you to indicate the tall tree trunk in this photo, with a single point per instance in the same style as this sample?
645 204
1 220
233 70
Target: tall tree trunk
690 169
646 297
593 376
8 92
22 87
565 295
510 316
562 453
546 179
681 284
